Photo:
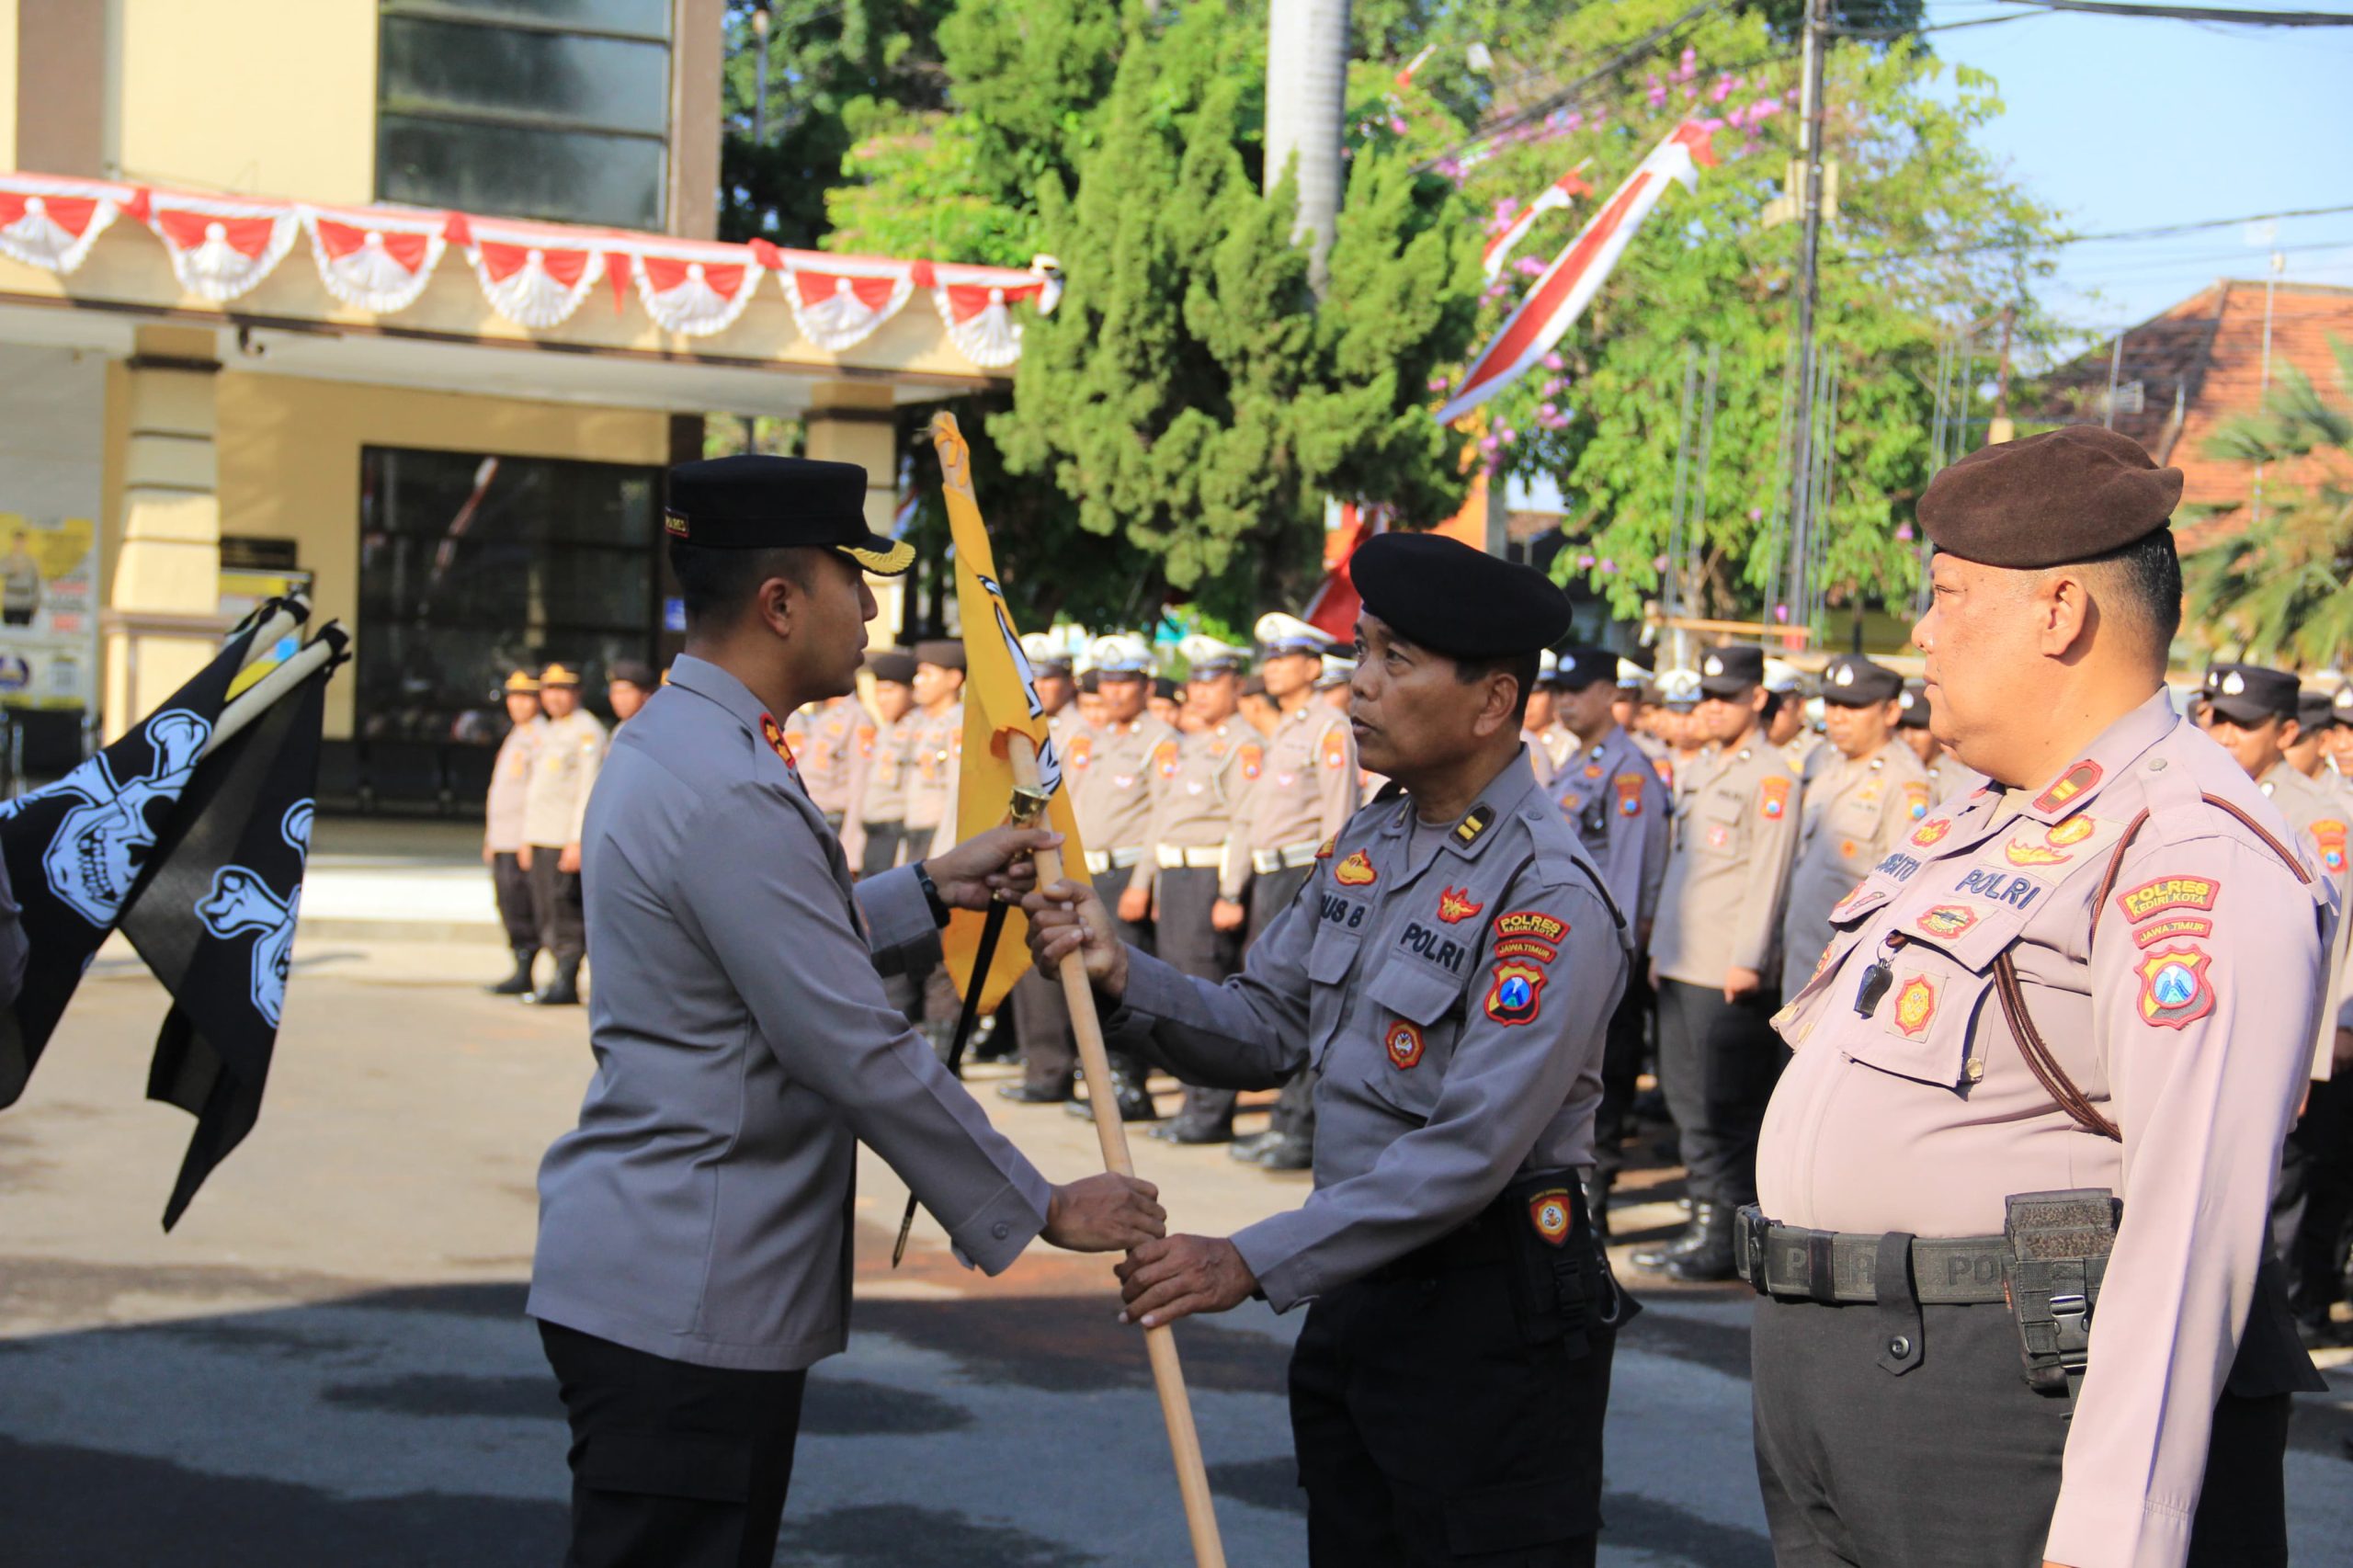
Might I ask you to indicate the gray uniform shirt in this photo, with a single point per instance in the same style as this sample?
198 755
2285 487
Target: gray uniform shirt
1854 812
1451 986
1614 799
701 1211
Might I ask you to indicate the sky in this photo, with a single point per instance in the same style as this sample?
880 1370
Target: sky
2129 124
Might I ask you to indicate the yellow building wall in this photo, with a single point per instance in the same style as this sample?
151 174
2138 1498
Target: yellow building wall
290 466
8 83
274 98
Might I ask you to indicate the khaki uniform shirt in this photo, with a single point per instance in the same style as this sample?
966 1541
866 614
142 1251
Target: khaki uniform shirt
702 1210
565 755
2178 995
880 761
1615 801
1305 789
510 780
935 747
823 740
2319 817
1736 831
1197 808
1552 747
1450 985
1116 773
1853 813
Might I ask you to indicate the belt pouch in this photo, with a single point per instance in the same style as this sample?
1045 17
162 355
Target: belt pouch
2057 1250
1553 1259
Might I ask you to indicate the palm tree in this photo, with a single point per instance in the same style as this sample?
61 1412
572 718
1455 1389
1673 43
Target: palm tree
2284 585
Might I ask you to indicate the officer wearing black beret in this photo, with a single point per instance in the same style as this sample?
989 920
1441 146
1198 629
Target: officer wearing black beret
694 1244
1449 968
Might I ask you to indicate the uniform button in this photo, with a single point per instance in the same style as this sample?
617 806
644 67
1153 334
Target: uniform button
1900 1346
1001 1230
2157 764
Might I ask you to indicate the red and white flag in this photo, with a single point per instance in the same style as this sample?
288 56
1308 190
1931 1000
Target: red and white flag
378 261
1566 287
1556 196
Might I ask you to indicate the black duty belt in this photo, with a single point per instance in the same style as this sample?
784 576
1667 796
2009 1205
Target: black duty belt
1793 1263
1484 1238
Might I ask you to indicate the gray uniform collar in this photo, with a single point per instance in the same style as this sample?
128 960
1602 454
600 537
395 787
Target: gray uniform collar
1471 834
708 681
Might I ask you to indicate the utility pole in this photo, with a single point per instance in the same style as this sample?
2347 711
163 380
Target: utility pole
2263 389
1810 118
1307 95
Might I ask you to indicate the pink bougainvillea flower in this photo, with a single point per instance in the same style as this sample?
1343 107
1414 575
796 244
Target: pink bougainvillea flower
1585 562
1903 531
1552 362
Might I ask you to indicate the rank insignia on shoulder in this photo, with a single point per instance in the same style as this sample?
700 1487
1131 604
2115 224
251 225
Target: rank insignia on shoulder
1928 833
1549 1212
1915 1004
1403 1044
1518 994
2167 893
1916 800
773 732
1356 871
1775 798
2175 991
1324 850
2072 783
2330 837
1454 905
1473 825
1630 794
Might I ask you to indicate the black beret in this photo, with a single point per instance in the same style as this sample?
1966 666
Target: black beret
2314 710
945 651
1091 682
1580 664
637 671
2248 694
1162 686
754 501
1731 671
2067 494
893 665
1456 600
1915 702
1852 681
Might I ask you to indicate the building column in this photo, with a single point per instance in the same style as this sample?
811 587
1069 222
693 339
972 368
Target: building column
163 616
854 422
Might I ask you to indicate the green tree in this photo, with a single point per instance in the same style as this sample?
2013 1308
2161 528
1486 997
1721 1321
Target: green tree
2283 586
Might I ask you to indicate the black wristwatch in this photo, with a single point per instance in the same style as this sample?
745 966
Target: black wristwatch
931 895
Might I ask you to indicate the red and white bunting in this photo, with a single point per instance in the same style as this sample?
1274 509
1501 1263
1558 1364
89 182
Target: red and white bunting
698 295
376 261
528 280
52 223
1561 295
839 310
979 316
221 249
1554 197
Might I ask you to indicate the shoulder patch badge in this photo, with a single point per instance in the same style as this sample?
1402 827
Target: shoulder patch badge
1531 922
1664 770
773 732
1915 1004
1773 799
1082 750
2168 892
1164 757
2330 837
1916 800
2175 991
1454 905
1518 994
2179 926
1946 920
1253 760
1927 833
1335 747
2072 783
1356 871
1403 1044
1549 1212
1630 794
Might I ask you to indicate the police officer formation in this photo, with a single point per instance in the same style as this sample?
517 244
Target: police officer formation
2003 1027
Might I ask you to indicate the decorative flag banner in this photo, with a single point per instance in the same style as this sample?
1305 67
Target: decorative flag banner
694 297
979 316
1566 287
1556 196
531 283
53 224
1000 699
377 261
221 249
837 310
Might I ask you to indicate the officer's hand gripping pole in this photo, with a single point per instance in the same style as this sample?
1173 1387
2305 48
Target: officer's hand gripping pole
1167 1377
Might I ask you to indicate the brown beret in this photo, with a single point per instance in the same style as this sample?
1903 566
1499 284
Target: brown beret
2067 494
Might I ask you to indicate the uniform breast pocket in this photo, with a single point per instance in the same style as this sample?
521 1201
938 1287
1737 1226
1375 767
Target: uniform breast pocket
1716 825
1921 1014
1417 1012
1330 957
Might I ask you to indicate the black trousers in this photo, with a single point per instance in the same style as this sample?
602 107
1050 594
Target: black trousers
1622 1065
1718 1061
1191 943
512 884
2312 1209
1954 1463
881 851
1271 893
556 908
1434 1427
673 1466
1041 1018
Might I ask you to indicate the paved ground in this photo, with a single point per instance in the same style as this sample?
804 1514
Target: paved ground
327 1364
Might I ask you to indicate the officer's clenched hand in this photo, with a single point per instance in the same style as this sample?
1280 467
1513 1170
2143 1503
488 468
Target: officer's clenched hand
1227 915
1162 1281
1105 1213
996 861
1068 917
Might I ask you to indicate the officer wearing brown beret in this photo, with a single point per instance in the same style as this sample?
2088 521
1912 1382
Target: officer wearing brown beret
2009 1238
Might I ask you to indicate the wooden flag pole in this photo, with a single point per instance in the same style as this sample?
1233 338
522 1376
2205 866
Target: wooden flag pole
1160 1343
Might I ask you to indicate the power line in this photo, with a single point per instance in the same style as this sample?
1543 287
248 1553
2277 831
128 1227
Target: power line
2197 14
2162 231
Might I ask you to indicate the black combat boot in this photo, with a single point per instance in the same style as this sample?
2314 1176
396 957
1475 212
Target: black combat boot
519 983
563 990
1694 1234
1289 1151
1714 1259
1248 1150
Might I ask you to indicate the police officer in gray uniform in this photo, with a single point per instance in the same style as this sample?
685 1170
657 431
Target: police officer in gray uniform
694 1246
1449 966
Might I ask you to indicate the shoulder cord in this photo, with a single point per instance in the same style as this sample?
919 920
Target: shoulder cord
2047 1072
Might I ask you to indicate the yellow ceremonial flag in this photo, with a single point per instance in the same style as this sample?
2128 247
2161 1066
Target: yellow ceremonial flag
1000 699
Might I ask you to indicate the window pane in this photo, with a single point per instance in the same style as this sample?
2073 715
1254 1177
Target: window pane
650 18
571 176
611 84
